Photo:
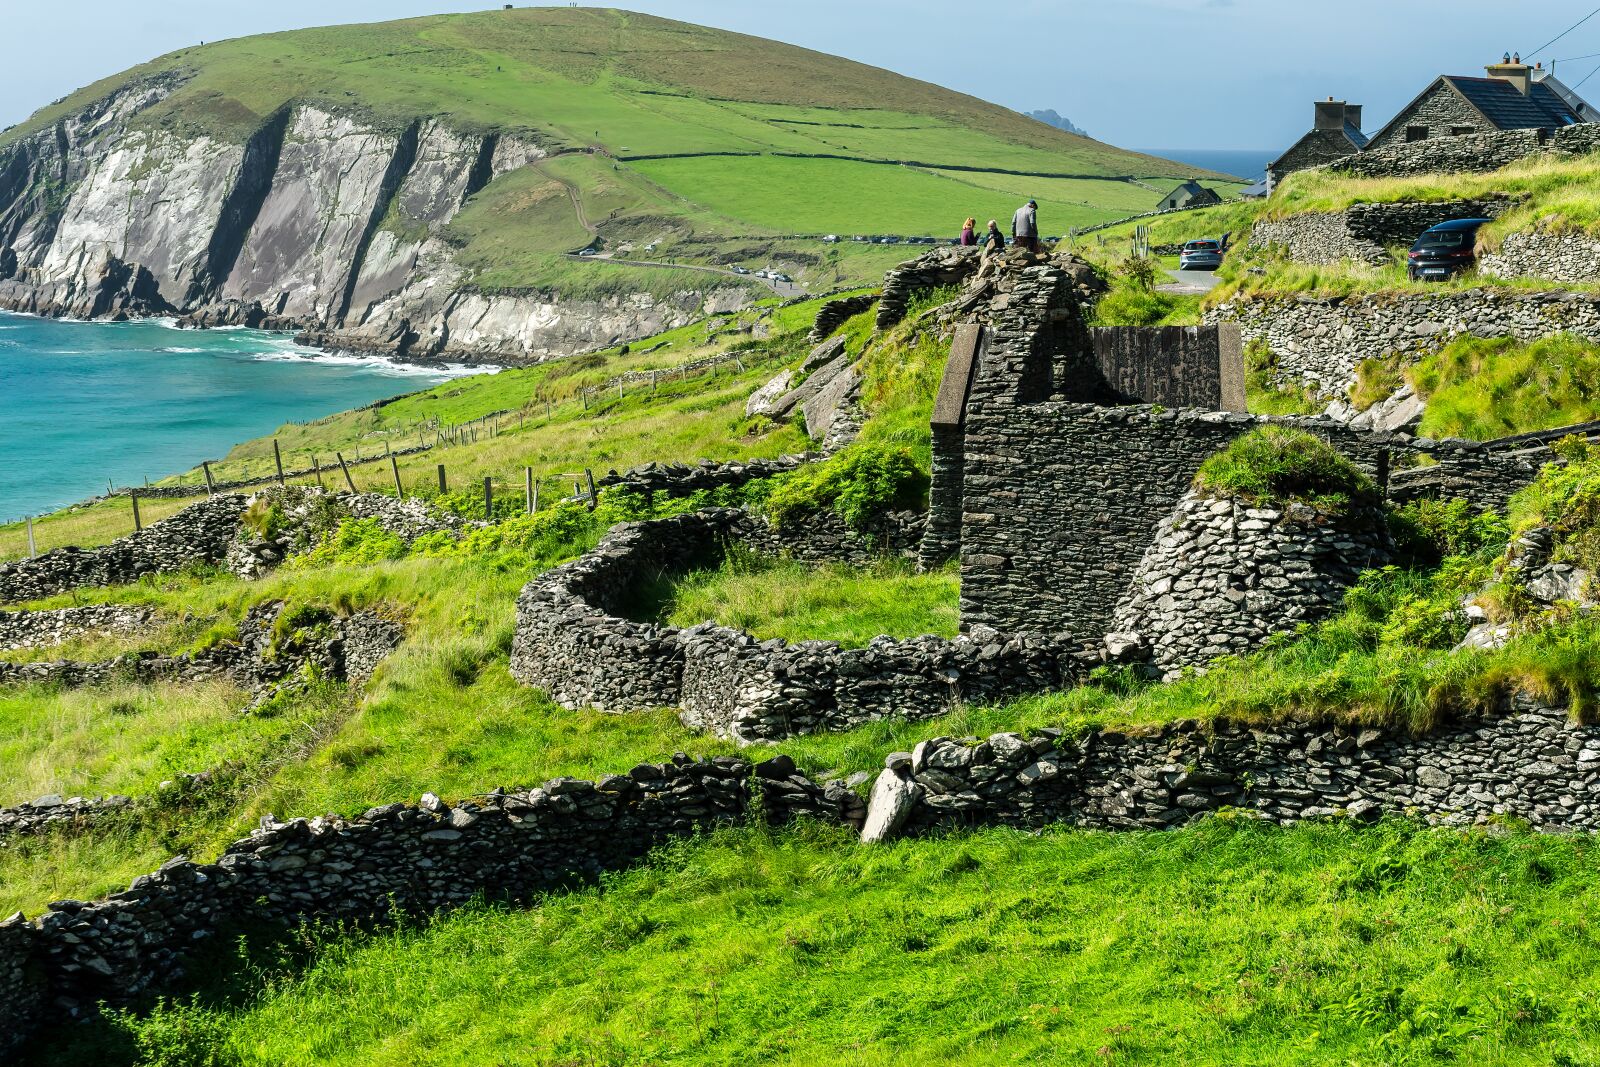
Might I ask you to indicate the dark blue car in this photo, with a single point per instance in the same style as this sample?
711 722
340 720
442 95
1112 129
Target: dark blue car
1444 250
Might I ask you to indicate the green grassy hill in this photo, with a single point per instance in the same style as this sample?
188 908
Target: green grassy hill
710 146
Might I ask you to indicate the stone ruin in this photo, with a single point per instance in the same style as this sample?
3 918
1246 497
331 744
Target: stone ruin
1060 454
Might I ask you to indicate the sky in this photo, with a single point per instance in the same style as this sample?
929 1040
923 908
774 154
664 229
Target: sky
1190 74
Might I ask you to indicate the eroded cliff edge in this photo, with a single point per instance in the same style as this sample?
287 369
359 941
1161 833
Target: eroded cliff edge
321 221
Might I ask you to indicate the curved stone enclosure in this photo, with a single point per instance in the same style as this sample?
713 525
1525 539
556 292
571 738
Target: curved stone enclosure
574 640
1223 575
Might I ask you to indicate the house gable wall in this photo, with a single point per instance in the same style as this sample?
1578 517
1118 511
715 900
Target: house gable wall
1441 109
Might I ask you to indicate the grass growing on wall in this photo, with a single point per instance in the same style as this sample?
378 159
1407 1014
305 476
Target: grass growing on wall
1484 388
1277 464
1222 944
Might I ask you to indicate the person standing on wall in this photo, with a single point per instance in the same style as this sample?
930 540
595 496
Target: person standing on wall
969 233
1025 226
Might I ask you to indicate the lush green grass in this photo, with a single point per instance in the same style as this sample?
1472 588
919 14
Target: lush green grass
1278 464
1227 943
603 92
1126 305
1484 388
769 598
124 738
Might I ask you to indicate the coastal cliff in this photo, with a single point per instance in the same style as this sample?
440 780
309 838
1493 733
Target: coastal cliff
320 221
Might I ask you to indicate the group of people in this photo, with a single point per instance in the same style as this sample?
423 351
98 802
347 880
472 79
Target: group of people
1024 231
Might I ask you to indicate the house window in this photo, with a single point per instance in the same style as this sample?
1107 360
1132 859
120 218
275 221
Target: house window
1416 133
1462 131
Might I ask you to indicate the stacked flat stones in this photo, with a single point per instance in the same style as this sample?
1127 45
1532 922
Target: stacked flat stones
1563 256
345 649
41 629
200 533
1319 341
1364 232
311 514
1224 575
410 858
835 313
686 479
573 641
1526 761
933 270
1470 154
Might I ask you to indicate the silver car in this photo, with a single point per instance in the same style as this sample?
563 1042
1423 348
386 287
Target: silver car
1200 255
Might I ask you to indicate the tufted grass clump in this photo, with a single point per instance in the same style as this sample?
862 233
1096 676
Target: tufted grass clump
1278 464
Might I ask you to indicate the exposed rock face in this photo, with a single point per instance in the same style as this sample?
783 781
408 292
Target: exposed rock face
320 221
1224 575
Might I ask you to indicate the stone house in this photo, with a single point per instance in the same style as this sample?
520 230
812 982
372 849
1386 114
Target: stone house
1512 96
1335 133
1190 194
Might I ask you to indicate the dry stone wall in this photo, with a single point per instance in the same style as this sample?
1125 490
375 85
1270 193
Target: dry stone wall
1469 153
1223 575
1571 256
394 859
1527 761
42 629
1062 500
1364 232
575 641
934 270
199 533
686 479
338 648
1320 341
835 313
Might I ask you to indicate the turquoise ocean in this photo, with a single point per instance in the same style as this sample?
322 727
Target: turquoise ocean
82 403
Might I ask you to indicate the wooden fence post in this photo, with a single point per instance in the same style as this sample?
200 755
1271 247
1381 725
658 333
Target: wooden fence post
399 490
351 482
211 486
527 474
33 550
488 499
316 467
137 525
442 489
588 476
277 458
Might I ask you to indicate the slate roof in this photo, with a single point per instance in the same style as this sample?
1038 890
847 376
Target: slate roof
1506 107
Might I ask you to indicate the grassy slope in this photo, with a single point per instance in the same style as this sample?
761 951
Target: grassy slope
630 85
1217 945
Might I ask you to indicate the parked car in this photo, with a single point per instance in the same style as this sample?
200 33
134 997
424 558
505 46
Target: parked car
1200 255
740 270
1444 250
781 277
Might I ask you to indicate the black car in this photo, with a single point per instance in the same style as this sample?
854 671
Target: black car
1444 250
